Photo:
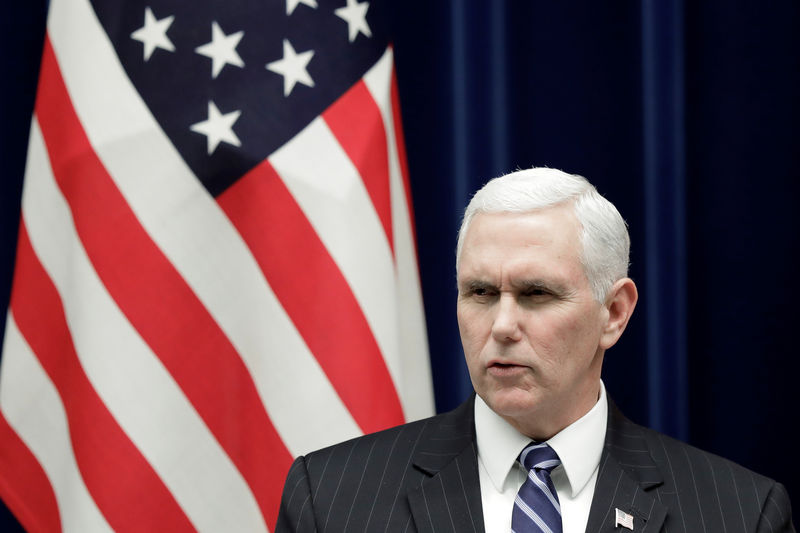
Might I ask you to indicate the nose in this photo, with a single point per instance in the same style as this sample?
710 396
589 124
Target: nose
505 327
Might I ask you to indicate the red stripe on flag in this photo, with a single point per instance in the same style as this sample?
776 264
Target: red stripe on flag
123 484
24 486
400 143
356 122
315 295
157 300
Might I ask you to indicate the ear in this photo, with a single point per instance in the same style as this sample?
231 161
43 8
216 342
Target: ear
619 303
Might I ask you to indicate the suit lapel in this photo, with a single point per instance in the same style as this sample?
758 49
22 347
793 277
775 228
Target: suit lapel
627 474
450 498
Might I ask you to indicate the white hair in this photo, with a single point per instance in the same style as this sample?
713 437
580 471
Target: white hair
604 236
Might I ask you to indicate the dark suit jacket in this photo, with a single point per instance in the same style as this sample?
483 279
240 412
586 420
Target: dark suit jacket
423 476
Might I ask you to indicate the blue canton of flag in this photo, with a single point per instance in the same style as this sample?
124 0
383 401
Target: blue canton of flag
232 81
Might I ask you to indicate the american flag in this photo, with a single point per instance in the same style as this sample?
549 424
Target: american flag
623 519
216 266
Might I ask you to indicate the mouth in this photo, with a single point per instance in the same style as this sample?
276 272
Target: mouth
504 369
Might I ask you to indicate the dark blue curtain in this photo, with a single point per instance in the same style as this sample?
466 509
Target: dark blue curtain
685 115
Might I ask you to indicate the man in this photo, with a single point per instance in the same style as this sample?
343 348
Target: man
543 291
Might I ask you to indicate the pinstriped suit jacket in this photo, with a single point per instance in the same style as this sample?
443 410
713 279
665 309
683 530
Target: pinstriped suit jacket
423 476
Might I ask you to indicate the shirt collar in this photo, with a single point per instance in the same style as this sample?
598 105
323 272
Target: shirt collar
579 445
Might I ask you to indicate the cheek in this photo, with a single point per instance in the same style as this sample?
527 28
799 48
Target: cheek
473 328
584 328
559 336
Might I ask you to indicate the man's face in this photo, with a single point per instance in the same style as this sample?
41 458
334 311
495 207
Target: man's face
529 324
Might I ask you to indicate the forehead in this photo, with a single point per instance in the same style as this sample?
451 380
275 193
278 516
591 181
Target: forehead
545 241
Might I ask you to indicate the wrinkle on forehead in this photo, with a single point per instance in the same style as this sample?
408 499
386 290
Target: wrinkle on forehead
564 215
521 243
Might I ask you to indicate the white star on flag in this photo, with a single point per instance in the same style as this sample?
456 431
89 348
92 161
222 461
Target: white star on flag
154 33
355 14
221 49
292 4
292 67
218 127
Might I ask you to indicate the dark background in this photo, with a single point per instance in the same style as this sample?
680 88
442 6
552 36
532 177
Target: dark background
683 115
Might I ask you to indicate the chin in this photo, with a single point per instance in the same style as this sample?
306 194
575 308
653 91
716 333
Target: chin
511 403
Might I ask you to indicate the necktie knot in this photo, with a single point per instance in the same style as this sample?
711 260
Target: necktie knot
539 456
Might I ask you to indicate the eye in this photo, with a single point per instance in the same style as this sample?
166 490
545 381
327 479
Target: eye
478 291
536 293
482 293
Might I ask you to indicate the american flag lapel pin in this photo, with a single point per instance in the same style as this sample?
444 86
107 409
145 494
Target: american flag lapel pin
623 519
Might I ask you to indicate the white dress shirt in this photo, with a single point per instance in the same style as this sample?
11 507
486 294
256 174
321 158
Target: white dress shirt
579 447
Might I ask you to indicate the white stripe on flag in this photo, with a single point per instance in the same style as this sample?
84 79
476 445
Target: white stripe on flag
415 385
327 186
132 382
195 235
31 404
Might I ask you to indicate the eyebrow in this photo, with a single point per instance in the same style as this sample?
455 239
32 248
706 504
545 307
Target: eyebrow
474 283
524 285
538 283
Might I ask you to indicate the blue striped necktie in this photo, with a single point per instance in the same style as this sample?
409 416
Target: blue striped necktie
536 507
